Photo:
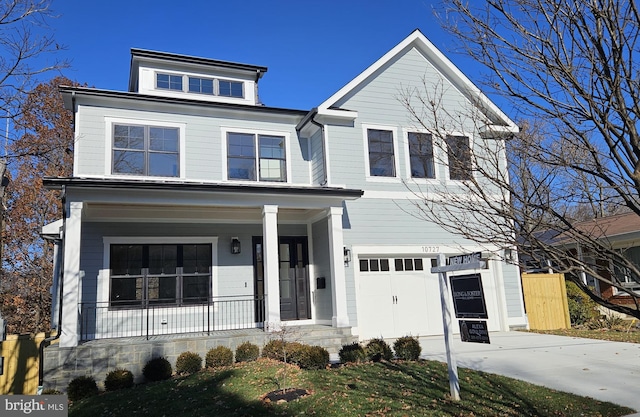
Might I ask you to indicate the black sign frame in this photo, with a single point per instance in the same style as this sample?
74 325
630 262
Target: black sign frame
468 297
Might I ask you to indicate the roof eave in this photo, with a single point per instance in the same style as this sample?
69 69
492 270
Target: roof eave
59 182
68 91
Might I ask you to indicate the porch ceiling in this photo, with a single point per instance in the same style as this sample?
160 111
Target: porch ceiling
182 214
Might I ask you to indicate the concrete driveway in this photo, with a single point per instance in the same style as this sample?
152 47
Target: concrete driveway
607 371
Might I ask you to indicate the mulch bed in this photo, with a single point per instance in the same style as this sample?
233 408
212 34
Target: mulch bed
284 396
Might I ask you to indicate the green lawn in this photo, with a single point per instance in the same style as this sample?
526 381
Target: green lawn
387 388
632 336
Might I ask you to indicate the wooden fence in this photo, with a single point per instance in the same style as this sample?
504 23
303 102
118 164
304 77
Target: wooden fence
545 298
20 358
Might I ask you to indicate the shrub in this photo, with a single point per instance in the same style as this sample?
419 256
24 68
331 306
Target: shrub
247 352
219 356
378 349
188 363
81 387
50 391
310 357
582 309
274 349
608 321
118 379
293 351
157 369
352 353
407 348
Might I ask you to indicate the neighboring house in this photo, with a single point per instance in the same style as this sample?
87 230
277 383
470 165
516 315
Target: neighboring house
195 207
622 233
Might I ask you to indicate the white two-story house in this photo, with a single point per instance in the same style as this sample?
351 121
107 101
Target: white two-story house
195 207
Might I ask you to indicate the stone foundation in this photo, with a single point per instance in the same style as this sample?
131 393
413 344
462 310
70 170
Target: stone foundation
98 357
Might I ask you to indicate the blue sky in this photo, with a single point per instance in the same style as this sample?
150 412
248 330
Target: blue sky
312 48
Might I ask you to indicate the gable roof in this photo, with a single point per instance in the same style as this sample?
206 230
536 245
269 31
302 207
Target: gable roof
502 124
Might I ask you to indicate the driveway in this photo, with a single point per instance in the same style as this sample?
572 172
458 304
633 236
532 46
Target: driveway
607 371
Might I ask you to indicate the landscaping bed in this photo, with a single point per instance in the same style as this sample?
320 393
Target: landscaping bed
403 388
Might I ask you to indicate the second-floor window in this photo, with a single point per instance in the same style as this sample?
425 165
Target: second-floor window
381 154
421 155
459 156
256 157
146 150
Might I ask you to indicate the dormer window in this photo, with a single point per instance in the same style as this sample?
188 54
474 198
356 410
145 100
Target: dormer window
200 85
169 82
230 88
194 78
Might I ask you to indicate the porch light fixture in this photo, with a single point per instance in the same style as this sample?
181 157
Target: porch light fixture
235 245
347 256
508 255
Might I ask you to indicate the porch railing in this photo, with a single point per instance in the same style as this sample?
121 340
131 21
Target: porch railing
103 320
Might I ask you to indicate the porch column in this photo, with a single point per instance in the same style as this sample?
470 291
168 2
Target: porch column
271 267
71 280
336 261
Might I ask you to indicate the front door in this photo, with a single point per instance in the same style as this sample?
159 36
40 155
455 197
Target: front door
293 259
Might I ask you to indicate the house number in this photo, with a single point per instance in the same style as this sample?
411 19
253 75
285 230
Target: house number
431 249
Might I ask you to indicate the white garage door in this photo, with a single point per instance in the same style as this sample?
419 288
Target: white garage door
397 297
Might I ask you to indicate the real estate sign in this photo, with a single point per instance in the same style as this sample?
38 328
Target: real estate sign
474 331
468 297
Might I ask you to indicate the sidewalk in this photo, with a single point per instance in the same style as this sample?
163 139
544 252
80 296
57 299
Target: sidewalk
607 371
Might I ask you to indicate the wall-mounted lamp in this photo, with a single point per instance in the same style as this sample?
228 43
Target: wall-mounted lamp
235 245
347 256
508 255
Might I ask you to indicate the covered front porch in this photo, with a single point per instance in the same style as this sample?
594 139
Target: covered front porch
147 261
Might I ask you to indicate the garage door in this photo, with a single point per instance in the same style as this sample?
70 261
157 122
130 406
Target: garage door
397 297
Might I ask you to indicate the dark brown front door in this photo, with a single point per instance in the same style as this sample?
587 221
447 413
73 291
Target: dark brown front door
293 259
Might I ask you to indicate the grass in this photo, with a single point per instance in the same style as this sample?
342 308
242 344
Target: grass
614 335
371 389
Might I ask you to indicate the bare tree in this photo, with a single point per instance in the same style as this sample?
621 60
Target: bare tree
25 51
26 45
571 67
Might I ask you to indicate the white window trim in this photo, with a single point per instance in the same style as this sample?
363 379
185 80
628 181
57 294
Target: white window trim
287 153
104 276
111 121
396 158
407 156
445 149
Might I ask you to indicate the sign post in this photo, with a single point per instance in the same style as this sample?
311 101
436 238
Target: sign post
456 263
452 364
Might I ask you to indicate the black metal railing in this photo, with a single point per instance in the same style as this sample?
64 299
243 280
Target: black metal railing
105 320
